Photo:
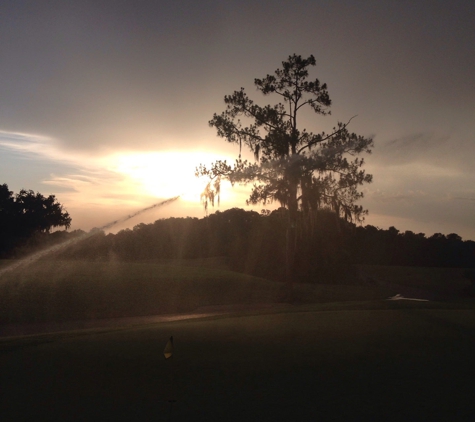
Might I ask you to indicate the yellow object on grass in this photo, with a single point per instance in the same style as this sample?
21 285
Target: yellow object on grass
168 348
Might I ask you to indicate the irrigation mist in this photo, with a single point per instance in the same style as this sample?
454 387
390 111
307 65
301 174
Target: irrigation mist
34 257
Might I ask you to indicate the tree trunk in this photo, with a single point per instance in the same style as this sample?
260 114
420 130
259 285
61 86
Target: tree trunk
291 238
290 254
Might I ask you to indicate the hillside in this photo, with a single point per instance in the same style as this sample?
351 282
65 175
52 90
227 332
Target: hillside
80 290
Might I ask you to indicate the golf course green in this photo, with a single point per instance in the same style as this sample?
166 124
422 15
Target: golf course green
376 360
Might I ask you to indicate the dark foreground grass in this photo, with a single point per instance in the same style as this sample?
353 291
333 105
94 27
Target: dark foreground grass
402 363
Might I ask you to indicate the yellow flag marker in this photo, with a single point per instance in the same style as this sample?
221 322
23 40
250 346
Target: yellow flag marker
168 349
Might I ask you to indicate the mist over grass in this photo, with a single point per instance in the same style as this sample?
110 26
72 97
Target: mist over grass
66 290
51 290
327 252
229 259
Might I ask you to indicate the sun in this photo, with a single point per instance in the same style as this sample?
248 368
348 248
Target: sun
166 174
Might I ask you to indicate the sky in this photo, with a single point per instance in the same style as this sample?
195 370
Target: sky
105 104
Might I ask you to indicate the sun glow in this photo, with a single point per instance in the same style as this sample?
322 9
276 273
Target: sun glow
98 188
166 174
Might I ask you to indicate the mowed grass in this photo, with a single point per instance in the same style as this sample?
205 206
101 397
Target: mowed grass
75 290
401 363
71 290
58 291
436 283
340 352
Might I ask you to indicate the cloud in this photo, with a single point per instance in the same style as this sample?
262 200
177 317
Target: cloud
102 187
416 143
470 199
134 79
81 179
25 142
430 210
437 150
411 148
33 147
381 196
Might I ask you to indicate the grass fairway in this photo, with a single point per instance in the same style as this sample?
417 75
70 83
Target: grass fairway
77 290
432 283
400 362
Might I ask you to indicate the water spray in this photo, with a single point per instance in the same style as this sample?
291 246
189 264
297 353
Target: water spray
128 217
36 256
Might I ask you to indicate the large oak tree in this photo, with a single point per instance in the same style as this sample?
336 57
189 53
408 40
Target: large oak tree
27 213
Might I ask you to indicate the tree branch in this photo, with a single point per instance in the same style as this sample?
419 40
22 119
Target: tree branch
326 137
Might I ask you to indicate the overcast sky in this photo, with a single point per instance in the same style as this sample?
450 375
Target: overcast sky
106 104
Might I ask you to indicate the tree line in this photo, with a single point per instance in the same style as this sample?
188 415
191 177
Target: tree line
371 245
327 247
255 244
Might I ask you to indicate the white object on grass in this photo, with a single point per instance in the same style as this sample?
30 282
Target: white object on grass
401 297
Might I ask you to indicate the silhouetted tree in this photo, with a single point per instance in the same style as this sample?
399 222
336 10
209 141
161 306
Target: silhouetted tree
302 170
27 213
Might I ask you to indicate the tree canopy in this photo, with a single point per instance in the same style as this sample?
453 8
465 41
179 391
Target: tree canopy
26 213
302 170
